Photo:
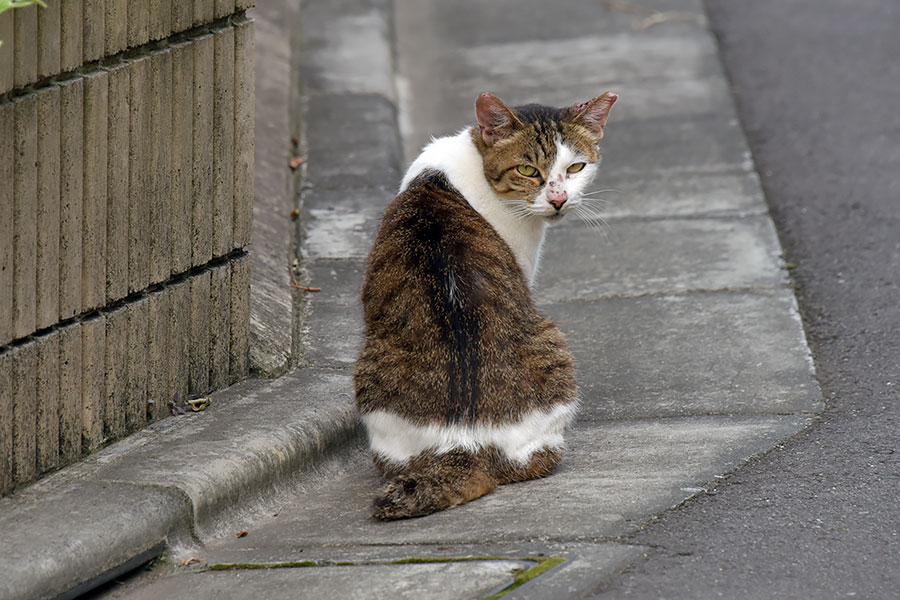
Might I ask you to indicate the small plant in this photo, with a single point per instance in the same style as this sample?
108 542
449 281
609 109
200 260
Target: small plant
7 4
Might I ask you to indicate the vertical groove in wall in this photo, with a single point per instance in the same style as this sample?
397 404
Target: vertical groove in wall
244 111
138 22
71 367
115 21
158 345
7 203
48 42
7 57
239 345
25 45
137 196
25 214
93 382
220 325
95 156
47 287
115 401
202 216
71 188
135 400
159 166
181 205
204 11
71 34
118 128
24 388
47 425
161 18
179 341
94 34
223 141
7 416
200 330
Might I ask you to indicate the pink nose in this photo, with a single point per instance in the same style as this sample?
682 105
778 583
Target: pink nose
557 197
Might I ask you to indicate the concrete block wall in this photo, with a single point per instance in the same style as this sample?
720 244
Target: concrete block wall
126 170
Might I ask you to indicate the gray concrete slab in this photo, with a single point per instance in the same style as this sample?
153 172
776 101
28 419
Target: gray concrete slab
438 581
333 333
353 142
68 535
615 475
342 224
660 195
347 48
639 257
253 435
583 564
271 305
719 353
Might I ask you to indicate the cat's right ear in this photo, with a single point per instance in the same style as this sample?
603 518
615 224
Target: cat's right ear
495 119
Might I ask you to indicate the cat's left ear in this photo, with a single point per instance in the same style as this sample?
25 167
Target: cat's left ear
593 114
496 120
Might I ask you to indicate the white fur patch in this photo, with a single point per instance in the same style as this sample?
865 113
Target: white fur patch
574 184
397 439
458 158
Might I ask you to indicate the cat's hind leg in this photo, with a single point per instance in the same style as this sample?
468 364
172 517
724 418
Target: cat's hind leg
541 464
433 483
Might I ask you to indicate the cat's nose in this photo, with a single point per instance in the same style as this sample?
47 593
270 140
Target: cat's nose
557 198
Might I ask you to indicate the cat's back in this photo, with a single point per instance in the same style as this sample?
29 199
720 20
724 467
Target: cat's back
451 329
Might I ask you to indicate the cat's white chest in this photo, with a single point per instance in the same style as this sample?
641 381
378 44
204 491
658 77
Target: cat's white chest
458 158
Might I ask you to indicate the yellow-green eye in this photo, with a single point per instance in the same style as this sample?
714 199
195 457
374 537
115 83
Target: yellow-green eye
527 170
574 168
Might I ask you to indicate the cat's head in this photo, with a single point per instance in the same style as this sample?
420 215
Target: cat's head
537 158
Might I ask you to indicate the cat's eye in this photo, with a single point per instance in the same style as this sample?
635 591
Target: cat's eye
574 168
527 170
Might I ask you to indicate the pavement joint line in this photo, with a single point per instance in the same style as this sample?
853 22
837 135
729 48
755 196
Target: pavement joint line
684 292
723 215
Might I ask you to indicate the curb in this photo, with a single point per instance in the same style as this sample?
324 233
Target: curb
183 480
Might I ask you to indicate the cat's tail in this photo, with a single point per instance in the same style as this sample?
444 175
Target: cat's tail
436 483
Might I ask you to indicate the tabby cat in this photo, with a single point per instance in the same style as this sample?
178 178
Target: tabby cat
461 384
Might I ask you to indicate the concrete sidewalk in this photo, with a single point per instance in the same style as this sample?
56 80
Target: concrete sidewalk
690 352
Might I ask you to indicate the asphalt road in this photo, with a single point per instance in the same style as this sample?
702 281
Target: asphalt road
817 83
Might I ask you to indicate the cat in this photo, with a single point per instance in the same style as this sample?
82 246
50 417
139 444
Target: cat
461 385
